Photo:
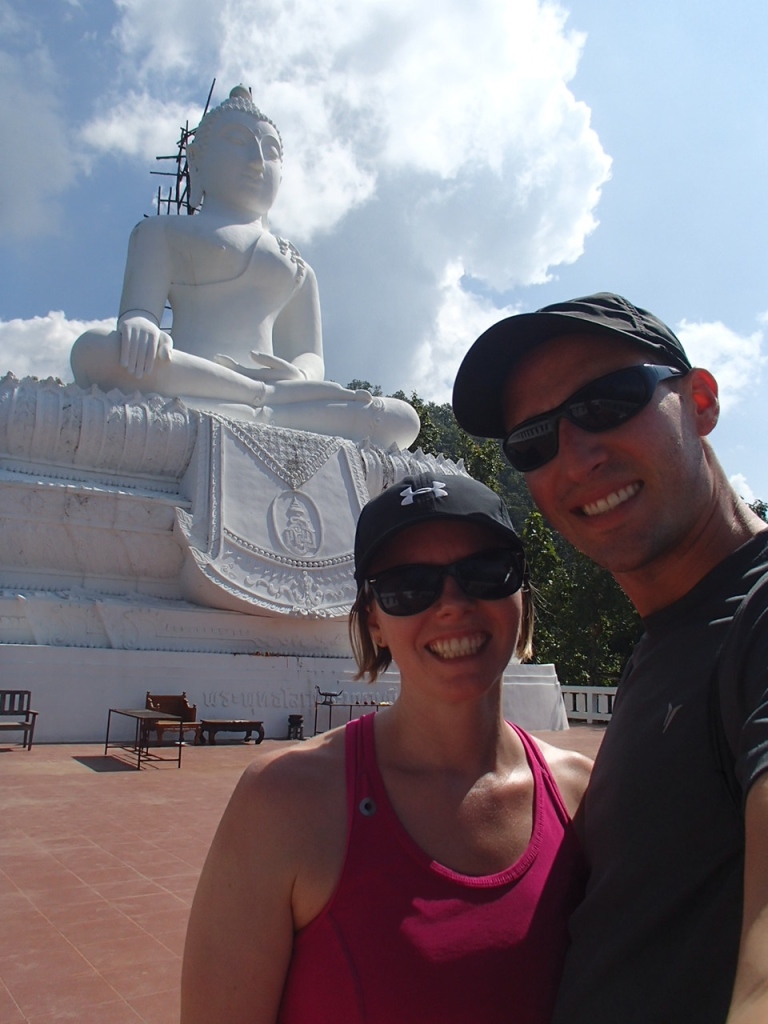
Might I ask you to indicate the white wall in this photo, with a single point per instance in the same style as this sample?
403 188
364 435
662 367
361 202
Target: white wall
73 688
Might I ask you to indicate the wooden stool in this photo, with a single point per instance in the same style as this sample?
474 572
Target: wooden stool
295 727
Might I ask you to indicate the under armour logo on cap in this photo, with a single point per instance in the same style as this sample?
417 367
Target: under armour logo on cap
437 488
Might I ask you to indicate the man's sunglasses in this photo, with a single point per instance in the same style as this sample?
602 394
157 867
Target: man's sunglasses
601 405
486 576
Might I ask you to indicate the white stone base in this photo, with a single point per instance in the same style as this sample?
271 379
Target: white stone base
531 697
74 688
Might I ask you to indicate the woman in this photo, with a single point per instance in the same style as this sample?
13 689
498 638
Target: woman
418 864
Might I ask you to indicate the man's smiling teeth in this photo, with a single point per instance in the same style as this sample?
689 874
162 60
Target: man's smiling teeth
457 647
611 501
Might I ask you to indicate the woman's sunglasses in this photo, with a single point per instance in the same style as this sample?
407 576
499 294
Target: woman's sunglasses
486 576
603 404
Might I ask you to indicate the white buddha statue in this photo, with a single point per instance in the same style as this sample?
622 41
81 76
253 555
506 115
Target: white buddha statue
234 286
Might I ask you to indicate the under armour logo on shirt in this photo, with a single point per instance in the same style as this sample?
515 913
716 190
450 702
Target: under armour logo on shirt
437 488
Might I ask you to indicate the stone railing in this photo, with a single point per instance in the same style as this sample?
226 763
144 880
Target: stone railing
588 703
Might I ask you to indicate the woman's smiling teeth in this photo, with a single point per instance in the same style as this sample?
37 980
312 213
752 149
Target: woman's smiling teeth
611 501
457 647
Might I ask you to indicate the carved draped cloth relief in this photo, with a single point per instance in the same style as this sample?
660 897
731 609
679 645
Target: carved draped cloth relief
272 523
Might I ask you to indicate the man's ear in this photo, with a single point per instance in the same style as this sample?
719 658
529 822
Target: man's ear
704 392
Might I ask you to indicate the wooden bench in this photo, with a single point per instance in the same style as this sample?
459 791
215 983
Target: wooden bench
245 725
173 704
14 704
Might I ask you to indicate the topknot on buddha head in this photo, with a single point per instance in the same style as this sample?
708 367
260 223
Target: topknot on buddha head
239 99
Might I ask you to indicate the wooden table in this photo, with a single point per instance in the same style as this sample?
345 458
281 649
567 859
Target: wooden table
246 725
144 718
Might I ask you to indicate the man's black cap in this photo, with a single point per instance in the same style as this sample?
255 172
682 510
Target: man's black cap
478 393
428 497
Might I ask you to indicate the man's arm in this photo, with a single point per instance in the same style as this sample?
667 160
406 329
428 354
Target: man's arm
749 1004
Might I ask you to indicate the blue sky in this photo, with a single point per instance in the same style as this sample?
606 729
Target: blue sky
446 164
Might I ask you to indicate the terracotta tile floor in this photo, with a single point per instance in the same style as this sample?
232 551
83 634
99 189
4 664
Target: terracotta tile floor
98 866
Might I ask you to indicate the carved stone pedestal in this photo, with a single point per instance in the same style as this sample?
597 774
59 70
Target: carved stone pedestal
122 518
169 539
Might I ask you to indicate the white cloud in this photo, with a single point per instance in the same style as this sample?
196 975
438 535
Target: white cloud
161 40
40 347
310 201
139 125
735 360
467 106
739 483
460 318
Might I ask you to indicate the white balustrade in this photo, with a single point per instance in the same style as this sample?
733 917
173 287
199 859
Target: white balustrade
589 703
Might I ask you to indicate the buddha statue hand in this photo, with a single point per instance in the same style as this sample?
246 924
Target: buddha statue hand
142 342
269 368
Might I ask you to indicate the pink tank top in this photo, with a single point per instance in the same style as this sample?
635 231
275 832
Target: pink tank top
405 940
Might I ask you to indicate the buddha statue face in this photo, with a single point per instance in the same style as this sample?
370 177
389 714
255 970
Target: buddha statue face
238 164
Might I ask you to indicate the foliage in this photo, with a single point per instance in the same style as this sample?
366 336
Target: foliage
440 433
760 508
365 385
585 624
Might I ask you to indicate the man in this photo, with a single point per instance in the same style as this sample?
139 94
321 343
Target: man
599 406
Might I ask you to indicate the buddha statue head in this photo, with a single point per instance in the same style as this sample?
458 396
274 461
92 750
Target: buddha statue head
235 158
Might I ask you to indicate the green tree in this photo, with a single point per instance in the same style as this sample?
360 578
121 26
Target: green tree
760 508
585 624
429 438
365 385
441 434
550 585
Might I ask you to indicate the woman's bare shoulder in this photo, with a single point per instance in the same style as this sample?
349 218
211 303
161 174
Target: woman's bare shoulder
296 775
272 866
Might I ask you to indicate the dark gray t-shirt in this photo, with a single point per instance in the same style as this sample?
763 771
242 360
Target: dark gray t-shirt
656 939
